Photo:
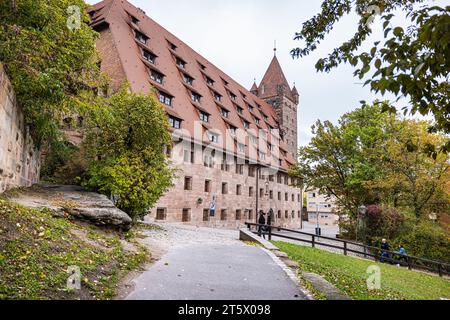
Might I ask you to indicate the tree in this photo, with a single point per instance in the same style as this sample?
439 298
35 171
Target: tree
412 178
340 158
126 137
412 62
51 66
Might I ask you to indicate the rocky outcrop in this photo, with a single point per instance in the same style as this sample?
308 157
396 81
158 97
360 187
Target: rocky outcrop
76 202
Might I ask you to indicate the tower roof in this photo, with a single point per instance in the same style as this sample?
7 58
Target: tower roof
273 80
254 87
294 91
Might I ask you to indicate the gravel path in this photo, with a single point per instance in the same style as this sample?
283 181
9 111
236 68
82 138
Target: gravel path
210 264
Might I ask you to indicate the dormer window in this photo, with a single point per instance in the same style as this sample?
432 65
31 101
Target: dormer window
150 57
217 97
240 110
142 38
250 108
181 63
233 130
204 116
202 66
244 96
133 19
165 98
156 76
196 97
225 113
213 137
175 122
210 81
225 82
172 46
188 79
257 121
232 96
246 125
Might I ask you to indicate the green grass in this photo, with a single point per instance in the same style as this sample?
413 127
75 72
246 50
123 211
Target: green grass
36 250
349 275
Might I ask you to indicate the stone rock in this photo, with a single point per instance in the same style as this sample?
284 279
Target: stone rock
78 203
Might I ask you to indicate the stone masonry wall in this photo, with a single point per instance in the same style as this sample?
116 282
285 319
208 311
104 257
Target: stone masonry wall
19 159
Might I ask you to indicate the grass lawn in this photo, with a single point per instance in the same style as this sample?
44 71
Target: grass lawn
349 275
36 250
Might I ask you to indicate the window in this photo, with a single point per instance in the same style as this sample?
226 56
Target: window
243 96
175 123
239 110
142 38
251 171
196 97
293 198
217 97
172 46
286 196
208 161
223 214
224 188
202 66
246 125
225 82
188 156
213 137
187 183
254 140
156 76
257 121
208 186
313 195
279 214
205 215
271 194
286 214
271 178
250 108
232 130
279 196
250 214
241 147
239 169
238 190
188 79
270 147
161 214
250 191
233 96
238 215
186 215
266 118
261 192
150 57
210 81
204 116
262 155
181 63
225 113
164 98
299 214
293 214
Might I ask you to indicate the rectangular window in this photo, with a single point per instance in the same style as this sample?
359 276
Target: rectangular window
286 214
175 123
224 188
250 191
257 121
210 81
254 140
279 214
172 46
142 38
187 183
133 19
278 178
161 214
239 190
205 215
271 194
251 172
239 169
166 99
279 196
150 57
250 214
250 108
238 215
217 97
208 186
293 198
232 130
261 193
188 79
181 63
213 137
232 96
196 97
204 116
186 215
246 125
241 147
262 155
223 214
225 113
286 196
240 110
156 76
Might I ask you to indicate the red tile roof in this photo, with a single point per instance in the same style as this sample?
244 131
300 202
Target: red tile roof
168 48
273 81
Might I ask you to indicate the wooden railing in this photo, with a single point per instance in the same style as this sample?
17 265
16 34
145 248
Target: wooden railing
365 251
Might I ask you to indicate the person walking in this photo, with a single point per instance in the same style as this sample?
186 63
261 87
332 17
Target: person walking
401 255
384 250
261 224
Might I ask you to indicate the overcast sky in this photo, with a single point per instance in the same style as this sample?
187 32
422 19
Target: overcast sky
238 36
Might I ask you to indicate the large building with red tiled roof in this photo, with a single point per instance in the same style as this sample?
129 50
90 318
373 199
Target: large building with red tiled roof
232 147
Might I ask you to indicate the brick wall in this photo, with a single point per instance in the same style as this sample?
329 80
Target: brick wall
19 159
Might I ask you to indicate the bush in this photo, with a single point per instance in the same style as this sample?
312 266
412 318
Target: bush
383 221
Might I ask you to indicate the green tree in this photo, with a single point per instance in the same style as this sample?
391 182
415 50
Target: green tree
126 137
412 61
340 158
51 66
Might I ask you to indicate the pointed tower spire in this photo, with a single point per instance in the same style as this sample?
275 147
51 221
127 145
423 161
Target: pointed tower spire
275 48
295 94
254 88
274 81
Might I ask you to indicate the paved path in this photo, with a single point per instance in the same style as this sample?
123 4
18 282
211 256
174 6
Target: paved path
210 264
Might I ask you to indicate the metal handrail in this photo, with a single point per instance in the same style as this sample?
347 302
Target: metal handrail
442 267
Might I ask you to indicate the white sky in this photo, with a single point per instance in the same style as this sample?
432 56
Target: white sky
238 36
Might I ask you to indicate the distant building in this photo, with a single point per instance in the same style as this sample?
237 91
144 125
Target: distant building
324 205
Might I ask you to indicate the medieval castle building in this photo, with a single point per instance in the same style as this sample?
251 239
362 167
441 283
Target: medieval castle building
232 147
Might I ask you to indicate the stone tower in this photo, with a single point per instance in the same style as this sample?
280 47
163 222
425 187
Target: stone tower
275 90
